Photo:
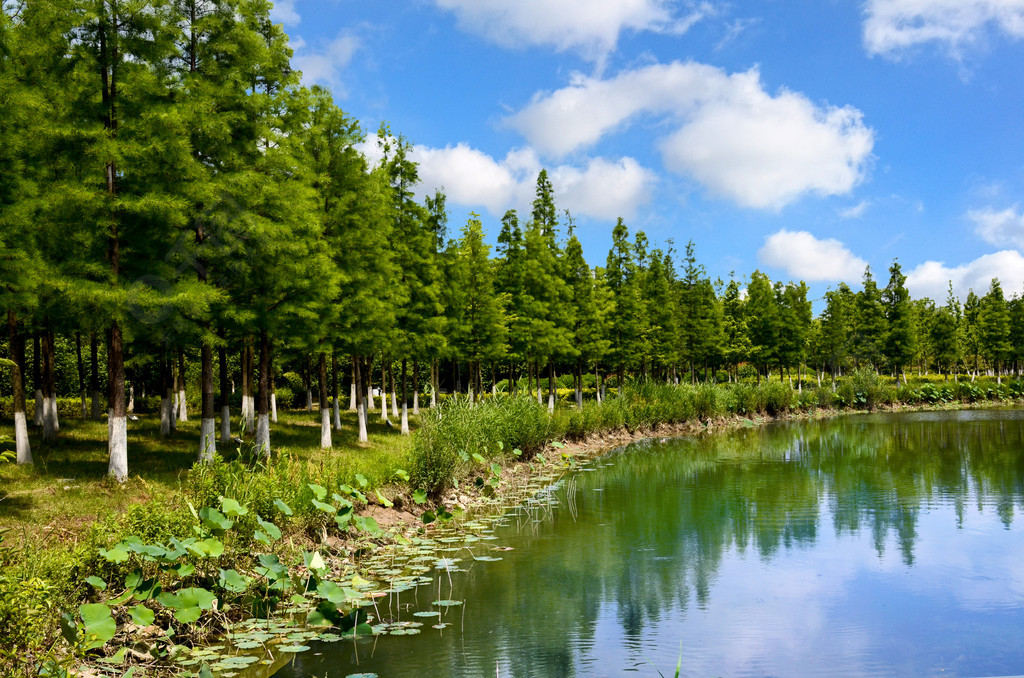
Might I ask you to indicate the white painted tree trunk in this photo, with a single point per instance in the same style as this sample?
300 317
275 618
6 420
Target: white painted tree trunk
352 397
415 403
207 439
470 394
262 439
551 401
494 390
49 419
370 405
117 446
250 413
54 414
273 407
337 414
38 406
165 417
383 406
182 406
405 419
325 429
540 396
361 416
225 425
394 402
22 447
309 400
131 399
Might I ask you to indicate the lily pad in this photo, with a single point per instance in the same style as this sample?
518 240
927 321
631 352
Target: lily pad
293 648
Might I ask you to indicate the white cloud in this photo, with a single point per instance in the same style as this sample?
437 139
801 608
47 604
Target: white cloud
761 151
324 66
284 12
603 189
894 25
855 212
590 26
931 279
807 258
1000 228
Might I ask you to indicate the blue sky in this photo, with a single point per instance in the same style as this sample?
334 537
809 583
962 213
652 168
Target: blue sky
804 138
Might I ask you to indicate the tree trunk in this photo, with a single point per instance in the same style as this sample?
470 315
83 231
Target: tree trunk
405 400
94 383
182 404
262 440
247 397
82 390
540 393
37 381
334 390
117 417
208 424
352 390
383 389
415 386
50 422
325 410
225 392
434 385
394 388
23 449
360 402
551 385
166 389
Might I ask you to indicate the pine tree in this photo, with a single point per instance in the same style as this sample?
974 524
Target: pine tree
901 337
869 324
624 328
994 328
736 340
763 320
945 334
837 327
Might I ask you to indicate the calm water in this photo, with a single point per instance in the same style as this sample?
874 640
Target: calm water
865 545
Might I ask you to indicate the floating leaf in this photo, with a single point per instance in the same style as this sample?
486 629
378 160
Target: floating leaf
293 648
447 603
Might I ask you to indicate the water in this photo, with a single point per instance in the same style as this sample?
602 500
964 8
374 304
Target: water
865 545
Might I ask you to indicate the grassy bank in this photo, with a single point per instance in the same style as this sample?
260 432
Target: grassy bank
156 551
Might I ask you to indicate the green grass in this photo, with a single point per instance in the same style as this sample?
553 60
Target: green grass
67 488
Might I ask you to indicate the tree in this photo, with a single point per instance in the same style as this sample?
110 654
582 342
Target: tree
736 339
869 324
945 334
624 328
901 338
763 319
994 327
837 327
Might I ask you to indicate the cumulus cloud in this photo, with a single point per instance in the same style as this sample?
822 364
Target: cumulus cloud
1000 228
808 258
732 136
599 188
590 26
931 279
325 65
894 25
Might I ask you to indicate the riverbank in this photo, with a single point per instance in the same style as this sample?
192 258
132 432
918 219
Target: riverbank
253 528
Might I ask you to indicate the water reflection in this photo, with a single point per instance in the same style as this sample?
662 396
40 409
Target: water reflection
880 544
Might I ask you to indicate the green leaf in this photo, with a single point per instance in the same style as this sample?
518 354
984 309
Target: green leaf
272 530
420 497
403 474
479 457
142 615
428 517
283 507
214 520
232 508
361 479
368 524
97 622
204 671
313 561
326 508
96 583
233 581
387 503
318 490
117 554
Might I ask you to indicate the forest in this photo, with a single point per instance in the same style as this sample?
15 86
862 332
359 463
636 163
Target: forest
180 213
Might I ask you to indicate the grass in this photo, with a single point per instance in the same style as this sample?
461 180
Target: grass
67 488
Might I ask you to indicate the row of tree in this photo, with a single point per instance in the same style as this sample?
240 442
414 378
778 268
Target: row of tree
168 186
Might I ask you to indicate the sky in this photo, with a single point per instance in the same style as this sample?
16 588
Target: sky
807 139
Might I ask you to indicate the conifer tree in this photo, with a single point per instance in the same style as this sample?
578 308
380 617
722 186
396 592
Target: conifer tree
945 334
994 327
836 327
901 337
624 328
736 339
869 323
763 320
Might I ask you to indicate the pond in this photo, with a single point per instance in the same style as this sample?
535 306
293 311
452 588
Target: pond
883 544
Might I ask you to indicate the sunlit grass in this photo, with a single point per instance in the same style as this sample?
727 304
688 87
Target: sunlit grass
67 488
